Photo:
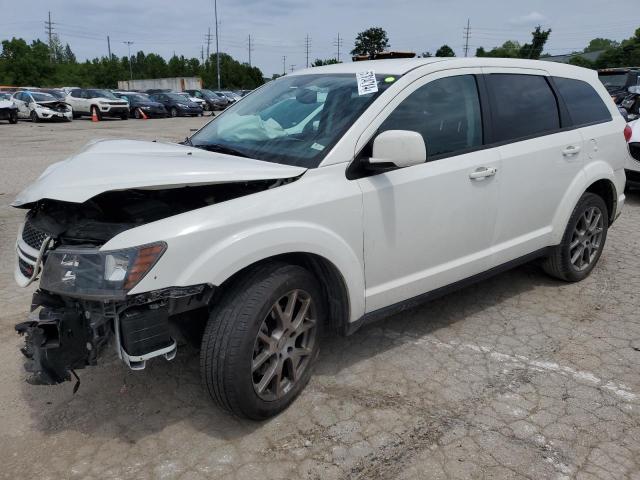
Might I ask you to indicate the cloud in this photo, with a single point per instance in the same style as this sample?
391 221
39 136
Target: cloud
530 18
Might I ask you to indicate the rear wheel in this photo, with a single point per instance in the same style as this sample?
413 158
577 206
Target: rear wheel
583 241
262 340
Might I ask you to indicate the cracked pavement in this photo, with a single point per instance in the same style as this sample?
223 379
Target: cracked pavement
519 376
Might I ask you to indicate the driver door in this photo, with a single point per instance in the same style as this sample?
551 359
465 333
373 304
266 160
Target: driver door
21 100
431 225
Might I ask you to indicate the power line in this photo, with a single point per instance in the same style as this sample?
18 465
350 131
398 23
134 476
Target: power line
307 42
467 32
49 29
338 43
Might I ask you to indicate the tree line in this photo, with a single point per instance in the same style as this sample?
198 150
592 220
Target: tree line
36 64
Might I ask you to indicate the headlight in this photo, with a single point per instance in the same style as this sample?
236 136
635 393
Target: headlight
91 273
183 105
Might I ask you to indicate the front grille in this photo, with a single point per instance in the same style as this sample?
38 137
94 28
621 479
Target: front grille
32 236
634 148
25 268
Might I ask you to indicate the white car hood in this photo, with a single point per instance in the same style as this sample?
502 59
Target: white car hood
6 104
109 165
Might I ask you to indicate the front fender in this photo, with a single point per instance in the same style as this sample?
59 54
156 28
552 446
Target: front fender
226 256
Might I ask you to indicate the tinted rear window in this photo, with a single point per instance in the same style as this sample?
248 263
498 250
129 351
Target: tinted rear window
522 106
584 104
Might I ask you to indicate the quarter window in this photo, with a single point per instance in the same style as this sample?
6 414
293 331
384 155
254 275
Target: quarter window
584 104
522 106
446 112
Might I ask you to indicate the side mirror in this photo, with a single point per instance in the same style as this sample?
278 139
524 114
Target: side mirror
403 148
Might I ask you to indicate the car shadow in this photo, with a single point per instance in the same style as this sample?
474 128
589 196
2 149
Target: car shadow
115 402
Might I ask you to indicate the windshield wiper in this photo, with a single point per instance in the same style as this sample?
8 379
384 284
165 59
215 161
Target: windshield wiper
216 147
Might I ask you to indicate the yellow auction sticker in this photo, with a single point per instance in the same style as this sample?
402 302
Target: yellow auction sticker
390 79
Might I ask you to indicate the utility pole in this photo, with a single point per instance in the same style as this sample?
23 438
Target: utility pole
129 43
338 43
49 28
109 46
284 65
208 37
215 12
292 66
467 33
250 48
202 53
306 46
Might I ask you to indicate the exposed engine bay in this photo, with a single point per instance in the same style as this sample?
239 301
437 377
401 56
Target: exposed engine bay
66 331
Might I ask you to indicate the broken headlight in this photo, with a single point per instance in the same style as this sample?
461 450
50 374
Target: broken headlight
91 273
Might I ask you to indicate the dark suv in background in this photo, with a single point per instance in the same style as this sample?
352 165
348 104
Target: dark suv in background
618 80
177 105
213 100
139 102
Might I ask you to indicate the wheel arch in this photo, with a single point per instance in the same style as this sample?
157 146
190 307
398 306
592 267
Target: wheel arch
598 178
331 280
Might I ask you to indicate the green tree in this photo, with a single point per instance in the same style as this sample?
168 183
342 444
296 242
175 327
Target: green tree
445 51
370 42
534 49
329 61
598 44
68 55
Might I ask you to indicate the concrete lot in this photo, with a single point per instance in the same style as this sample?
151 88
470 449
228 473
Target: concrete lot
517 377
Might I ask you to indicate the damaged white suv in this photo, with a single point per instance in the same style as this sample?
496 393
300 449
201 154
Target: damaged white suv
327 199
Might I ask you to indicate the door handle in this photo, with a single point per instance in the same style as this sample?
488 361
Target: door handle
571 150
482 172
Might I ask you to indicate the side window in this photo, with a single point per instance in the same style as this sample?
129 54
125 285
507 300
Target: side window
446 112
76 93
584 104
522 106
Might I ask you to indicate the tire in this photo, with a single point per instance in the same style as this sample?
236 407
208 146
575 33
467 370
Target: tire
13 118
97 110
206 107
34 117
235 338
136 113
124 116
585 248
75 115
173 112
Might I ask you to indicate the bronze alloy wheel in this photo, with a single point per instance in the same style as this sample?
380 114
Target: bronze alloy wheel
284 344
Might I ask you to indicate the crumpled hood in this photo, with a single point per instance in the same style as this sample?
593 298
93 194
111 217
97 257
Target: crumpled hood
108 165
53 104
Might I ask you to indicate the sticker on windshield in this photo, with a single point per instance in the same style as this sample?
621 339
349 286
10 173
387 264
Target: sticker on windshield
367 82
317 146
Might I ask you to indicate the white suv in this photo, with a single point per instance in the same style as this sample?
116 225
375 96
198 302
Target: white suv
102 103
380 185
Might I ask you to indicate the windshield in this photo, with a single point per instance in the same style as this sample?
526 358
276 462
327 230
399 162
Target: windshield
209 94
101 94
42 97
613 80
136 98
294 120
176 96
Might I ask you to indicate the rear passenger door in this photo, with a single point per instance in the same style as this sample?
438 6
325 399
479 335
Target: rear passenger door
539 159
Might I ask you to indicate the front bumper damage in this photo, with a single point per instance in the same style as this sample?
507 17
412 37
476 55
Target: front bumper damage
64 334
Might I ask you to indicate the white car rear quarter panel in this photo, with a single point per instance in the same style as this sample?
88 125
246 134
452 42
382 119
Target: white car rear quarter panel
320 213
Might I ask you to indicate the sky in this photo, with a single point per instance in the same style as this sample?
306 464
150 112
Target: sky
278 28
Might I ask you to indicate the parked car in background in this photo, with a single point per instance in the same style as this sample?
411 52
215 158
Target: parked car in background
8 109
633 165
231 98
618 80
177 105
56 92
402 190
139 102
213 100
102 103
197 101
152 91
39 106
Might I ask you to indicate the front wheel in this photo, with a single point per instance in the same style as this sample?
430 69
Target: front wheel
173 112
262 340
13 117
583 241
34 116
